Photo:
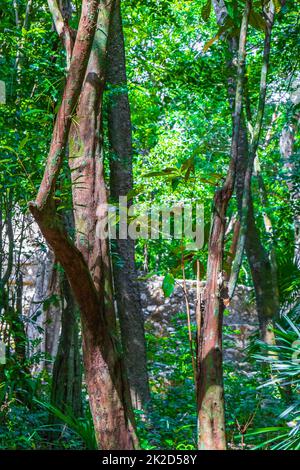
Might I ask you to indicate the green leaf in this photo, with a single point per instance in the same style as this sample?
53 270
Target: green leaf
5 147
168 284
166 171
135 191
23 142
226 27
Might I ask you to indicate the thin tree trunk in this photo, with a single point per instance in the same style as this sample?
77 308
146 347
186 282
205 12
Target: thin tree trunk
18 329
67 371
44 269
265 286
121 182
61 11
269 12
210 392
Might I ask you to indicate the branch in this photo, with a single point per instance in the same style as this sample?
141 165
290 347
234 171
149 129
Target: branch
16 10
63 29
80 57
57 16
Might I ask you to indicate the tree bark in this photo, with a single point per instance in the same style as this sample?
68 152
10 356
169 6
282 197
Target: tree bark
121 183
75 77
61 11
52 317
269 13
11 308
210 392
107 386
17 327
43 275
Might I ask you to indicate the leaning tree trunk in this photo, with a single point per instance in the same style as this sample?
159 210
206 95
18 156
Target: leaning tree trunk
125 275
107 387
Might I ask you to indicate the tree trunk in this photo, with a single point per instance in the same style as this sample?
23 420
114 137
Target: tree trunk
287 141
67 370
107 386
265 286
125 275
43 274
210 392
67 373
87 170
18 329
269 14
52 317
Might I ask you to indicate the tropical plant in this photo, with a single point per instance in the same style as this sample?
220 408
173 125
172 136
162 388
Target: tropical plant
82 427
283 358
